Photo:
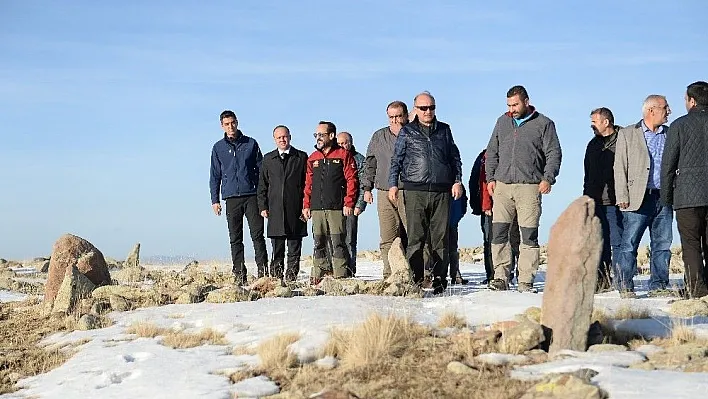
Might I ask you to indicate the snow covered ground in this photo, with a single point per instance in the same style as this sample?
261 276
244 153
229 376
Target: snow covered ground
114 365
10 296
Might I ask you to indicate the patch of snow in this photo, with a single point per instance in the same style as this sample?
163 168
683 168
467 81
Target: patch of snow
501 359
256 387
11 296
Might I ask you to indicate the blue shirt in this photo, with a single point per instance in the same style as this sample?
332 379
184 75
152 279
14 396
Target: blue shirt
655 145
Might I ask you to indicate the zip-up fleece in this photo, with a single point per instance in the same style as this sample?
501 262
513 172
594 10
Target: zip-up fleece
235 165
524 154
425 159
331 180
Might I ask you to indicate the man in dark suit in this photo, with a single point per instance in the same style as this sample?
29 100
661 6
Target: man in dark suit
280 193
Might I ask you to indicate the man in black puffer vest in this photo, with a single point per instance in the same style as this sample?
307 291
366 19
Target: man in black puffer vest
428 163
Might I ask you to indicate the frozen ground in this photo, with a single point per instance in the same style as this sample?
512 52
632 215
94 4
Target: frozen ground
111 365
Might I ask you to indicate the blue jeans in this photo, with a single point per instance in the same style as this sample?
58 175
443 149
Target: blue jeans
659 219
611 221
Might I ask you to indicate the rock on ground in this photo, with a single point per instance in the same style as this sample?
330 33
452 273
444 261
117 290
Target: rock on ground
71 250
74 287
574 250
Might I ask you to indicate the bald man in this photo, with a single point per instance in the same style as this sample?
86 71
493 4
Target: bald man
345 140
427 161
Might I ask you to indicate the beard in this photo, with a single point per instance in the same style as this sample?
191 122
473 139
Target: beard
594 130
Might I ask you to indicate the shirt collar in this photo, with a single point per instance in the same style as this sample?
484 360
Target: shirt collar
645 129
281 152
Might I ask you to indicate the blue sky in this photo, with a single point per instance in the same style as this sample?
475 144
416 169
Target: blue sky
110 109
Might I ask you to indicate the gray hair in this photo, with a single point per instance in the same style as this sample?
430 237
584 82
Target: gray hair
651 101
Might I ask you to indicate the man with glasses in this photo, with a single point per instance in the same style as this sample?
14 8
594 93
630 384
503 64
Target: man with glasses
637 170
280 193
391 214
427 162
331 187
235 165
522 162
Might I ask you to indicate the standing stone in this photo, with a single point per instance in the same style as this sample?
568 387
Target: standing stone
133 259
400 270
574 250
74 287
70 250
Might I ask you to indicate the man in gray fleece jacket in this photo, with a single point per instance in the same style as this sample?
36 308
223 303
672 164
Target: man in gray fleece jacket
392 215
523 161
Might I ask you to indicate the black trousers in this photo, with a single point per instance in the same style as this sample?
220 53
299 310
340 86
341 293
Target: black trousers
693 229
427 217
294 251
236 209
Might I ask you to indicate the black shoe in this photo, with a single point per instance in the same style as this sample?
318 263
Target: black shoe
439 285
485 282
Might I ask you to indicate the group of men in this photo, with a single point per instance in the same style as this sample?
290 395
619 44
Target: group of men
634 174
638 176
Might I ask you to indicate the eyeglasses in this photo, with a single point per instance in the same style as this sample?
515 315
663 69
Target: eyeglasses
318 135
426 107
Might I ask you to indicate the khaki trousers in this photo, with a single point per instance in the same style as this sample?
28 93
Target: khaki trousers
524 202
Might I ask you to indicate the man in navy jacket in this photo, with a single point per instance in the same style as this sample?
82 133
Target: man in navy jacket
235 166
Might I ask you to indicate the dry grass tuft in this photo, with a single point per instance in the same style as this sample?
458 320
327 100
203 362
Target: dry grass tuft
146 329
175 316
177 339
410 363
22 327
275 353
378 338
626 312
681 334
243 350
452 320
182 340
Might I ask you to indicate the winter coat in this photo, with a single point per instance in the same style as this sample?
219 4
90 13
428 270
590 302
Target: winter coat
684 165
480 200
360 160
599 181
331 180
425 159
235 166
281 188
525 154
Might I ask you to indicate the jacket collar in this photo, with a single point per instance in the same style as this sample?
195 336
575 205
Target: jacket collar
699 108
532 114
334 147
238 138
419 125
276 153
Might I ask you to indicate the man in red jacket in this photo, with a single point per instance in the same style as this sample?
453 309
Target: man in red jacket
331 185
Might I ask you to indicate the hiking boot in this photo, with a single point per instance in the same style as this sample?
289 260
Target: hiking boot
627 294
498 284
439 285
527 287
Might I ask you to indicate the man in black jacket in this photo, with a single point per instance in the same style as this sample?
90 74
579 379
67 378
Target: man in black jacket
599 184
684 184
427 161
280 193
